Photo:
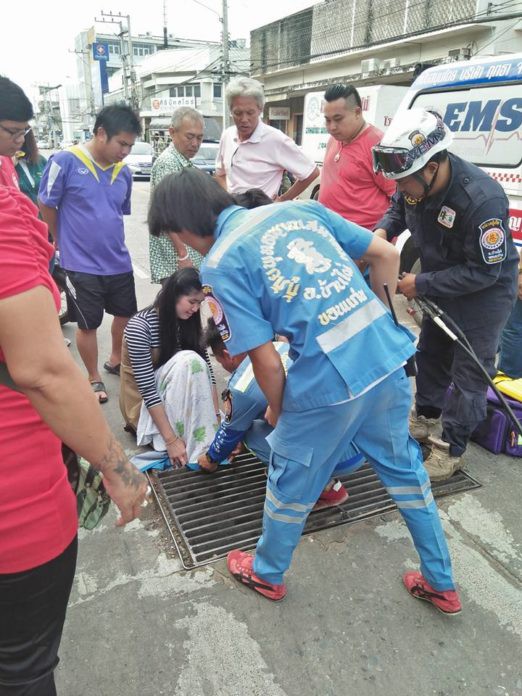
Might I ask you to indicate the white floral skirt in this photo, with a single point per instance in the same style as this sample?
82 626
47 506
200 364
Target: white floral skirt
186 391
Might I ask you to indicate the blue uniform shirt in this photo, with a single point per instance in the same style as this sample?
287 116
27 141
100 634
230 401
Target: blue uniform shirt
245 403
285 268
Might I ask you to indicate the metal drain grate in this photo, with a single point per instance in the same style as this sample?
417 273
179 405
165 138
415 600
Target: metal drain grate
209 515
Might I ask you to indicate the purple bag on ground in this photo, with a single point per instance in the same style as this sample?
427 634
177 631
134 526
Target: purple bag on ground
497 433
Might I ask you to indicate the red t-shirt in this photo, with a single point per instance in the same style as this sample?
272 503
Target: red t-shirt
8 175
349 185
38 517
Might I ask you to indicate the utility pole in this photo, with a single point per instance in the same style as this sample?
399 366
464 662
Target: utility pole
132 73
225 68
165 30
129 74
86 53
45 91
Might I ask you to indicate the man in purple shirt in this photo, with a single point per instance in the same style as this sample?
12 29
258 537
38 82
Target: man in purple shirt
84 193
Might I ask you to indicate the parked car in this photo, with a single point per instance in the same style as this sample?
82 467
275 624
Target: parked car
140 160
206 157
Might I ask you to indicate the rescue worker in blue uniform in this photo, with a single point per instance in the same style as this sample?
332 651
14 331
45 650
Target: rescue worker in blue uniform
458 218
245 406
287 269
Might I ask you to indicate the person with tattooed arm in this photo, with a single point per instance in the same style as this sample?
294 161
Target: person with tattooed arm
38 518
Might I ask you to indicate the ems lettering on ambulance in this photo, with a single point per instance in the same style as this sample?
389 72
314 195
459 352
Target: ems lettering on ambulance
217 312
492 241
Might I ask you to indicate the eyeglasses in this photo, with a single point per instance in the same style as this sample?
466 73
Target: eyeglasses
16 133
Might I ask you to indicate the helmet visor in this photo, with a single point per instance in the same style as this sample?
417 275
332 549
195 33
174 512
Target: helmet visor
391 160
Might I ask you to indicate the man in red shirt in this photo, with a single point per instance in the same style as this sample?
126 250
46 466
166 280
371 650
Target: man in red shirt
349 185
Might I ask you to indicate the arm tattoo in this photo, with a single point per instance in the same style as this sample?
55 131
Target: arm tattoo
116 460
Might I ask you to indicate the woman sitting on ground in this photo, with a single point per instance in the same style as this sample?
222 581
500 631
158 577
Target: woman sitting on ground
168 393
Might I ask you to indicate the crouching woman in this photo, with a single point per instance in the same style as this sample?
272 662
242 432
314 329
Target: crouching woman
168 394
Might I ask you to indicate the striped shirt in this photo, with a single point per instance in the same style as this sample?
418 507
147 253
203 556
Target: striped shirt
142 334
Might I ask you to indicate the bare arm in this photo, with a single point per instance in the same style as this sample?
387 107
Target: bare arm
181 249
40 364
215 401
298 186
222 180
383 260
379 232
270 375
175 445
50 217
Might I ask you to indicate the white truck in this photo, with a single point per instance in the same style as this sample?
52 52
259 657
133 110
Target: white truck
480 100
379 104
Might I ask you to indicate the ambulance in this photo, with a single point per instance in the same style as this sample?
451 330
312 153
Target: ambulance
480 101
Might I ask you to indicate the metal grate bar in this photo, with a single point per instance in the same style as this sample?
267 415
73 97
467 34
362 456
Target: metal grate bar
209 515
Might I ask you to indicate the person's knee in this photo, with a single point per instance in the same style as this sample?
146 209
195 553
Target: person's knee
87 333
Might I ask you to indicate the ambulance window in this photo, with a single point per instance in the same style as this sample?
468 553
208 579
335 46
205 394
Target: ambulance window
486 122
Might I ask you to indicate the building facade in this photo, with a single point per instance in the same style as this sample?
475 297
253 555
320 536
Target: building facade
371 42
122 60
182 77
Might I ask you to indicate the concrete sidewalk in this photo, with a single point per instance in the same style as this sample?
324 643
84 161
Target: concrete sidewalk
138 625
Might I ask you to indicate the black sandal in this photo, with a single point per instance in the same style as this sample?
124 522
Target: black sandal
112 369
98 387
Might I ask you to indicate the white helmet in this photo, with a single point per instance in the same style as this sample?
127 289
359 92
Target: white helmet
412 139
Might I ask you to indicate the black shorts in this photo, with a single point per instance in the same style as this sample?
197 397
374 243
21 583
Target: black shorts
89 295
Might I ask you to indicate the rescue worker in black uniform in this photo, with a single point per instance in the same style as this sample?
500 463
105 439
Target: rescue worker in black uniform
458 218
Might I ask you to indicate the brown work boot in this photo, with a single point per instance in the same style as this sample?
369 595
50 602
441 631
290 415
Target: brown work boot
440 465
421 427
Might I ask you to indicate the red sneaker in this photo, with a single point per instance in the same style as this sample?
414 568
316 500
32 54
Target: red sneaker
336 495
240 565
447 601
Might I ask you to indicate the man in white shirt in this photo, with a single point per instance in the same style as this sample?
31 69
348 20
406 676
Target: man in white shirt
254 155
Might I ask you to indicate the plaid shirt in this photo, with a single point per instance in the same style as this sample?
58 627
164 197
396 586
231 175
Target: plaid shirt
163 256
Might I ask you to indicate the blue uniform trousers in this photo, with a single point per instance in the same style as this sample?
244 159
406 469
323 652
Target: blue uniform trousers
510 360
440 362
307 446
255 440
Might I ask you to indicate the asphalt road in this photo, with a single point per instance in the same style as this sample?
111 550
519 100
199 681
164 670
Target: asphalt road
138 625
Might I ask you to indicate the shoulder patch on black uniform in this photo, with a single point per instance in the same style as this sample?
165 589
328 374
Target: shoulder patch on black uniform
492 240
218 313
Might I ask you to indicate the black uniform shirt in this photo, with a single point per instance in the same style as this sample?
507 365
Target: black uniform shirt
463 238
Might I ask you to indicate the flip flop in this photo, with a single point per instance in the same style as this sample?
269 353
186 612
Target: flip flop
100 387
112 369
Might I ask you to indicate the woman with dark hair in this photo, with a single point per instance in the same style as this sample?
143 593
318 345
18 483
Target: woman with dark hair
288 268
30 165
166 395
